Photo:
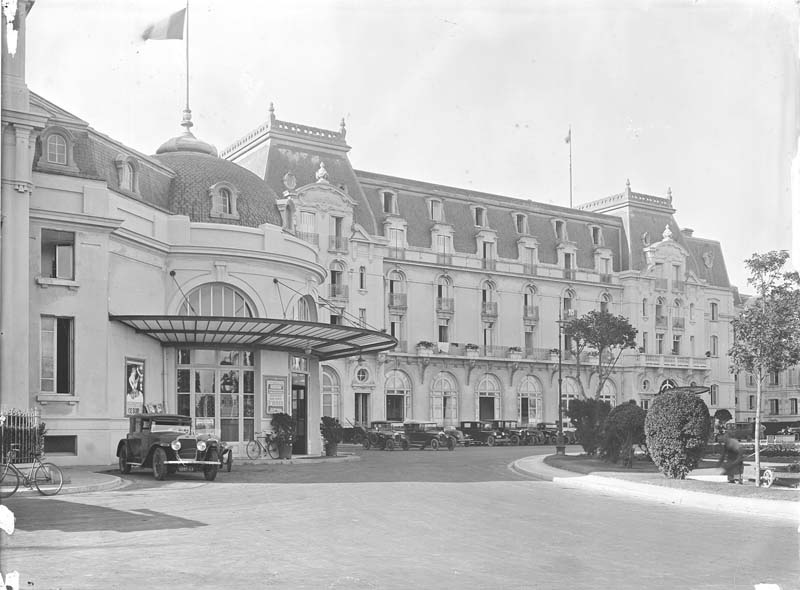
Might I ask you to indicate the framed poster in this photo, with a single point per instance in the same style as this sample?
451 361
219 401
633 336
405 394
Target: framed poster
134 386
274 395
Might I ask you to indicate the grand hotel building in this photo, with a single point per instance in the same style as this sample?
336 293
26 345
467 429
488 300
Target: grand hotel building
272 275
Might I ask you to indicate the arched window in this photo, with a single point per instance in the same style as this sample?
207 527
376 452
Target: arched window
487 292
330 393
217 299
226 201
609 393
714 311
444 400
398 396
338 287
529 401
488 397
56 149
660 309
305 310
362 277
126 176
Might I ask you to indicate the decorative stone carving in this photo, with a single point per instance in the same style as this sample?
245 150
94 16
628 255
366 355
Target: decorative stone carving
667 233
322 174
646 238
708 259
289 181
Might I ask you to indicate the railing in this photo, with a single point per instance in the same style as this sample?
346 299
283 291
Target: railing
531 312
661 284
673 360
678 323
489 308
492 351
529 269
661 321
445 304
337 243
338 291
539 354
398 299
397 253
444 259
23 428
569 273
307 236
488 263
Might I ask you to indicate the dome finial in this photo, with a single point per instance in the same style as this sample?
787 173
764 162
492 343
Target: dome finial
187 119
271 112
669 193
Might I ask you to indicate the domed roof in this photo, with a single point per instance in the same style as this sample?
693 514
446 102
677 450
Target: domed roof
197 179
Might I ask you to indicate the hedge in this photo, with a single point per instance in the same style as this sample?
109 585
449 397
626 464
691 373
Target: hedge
677 429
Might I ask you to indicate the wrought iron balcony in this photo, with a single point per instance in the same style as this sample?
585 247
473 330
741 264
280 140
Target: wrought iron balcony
338 291
337 244
445 304
309 237
398 299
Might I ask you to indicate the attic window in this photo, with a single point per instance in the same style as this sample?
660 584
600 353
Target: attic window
56 149
224 197
560 230
480 216
127 173
521 223
596 236
435 210
389 202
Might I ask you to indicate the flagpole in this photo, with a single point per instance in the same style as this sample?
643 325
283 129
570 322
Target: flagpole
187 55
570 162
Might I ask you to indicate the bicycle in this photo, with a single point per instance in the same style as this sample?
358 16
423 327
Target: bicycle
47 477
255 447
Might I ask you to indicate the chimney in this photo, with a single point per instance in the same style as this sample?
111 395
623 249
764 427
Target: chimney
687 232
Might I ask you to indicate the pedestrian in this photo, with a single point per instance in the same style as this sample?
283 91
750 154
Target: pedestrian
732 459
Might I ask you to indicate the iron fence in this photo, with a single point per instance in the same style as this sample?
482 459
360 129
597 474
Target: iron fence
24 428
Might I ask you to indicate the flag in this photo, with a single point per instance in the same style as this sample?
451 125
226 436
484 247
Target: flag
169 28
568 138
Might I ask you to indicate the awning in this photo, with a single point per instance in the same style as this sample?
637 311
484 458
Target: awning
694 389
325 341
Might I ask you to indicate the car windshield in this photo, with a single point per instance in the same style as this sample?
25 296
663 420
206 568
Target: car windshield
510 424
486 426
430 426
170 427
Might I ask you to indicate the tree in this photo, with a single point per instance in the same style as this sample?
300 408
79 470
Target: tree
766 333
588 416
623 428
603 334
677 427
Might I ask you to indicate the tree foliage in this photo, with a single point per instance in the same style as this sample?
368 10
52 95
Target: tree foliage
766 333
603 334
623 428
676 429
588 416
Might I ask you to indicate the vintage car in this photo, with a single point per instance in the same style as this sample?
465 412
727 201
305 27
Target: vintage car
511 429
428 435
482 432
165 443
386 435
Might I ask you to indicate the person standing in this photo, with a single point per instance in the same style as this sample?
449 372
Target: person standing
732 459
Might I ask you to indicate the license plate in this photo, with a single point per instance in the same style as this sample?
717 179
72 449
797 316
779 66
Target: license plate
185 468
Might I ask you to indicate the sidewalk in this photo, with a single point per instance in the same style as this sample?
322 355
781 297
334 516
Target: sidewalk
604 482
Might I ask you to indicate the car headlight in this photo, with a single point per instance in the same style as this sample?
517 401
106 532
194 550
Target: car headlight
176 445
201 445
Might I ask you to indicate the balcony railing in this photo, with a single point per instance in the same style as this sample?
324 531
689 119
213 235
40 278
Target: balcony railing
337 243
397 253
338 291
445 304
679 323
309 237
492 351
398 299
661 284
488 263
529 269
530 313
569 273
444 259
489 308
539 354
673 360
661 321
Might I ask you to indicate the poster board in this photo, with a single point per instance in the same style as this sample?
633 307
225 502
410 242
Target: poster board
274 395
134 386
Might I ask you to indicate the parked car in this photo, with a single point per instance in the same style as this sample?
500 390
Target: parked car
165 443
511 429
386 435
428 435
482 432
547 432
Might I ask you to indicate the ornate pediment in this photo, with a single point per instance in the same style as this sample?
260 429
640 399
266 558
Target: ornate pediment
324 197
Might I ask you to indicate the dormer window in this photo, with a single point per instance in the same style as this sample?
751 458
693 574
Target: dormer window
435 210
521 223
561 230
597 236
224 198
389 202
480 216
127 173
56 149
126 177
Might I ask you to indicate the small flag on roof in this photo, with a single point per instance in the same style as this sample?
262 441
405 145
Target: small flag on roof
568 138
169 28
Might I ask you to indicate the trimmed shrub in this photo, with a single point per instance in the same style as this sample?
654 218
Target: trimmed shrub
623 428
588 416
677 428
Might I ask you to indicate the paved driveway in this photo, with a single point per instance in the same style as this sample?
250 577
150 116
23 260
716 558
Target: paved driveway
393 520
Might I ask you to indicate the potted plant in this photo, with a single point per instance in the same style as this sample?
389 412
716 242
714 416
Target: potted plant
514 352
332 432
472 349
425 348
283 427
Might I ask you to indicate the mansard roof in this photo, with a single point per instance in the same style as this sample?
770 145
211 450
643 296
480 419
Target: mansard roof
412 197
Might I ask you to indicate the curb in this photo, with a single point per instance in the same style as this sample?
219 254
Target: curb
343 458
107 483
773 509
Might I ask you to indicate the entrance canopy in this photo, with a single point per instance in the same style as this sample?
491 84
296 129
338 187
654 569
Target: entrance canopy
325 341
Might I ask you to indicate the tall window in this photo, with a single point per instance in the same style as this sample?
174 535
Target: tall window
58 254
217 299
435 209
126 177
480 216
644 342
660 308
560 230
330 392
521 223
443 244
56 149
398 396
362 278
488 397
396 238
644 308
444 400
793 405
714 395
595 236
389 202
751 403
444 330
659 343
774 407
226 200
362 317
56 354
774 378
714 345
530 401
714 312
676 344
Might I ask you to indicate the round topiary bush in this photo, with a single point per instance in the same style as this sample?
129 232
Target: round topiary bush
588 416
623 428
677 428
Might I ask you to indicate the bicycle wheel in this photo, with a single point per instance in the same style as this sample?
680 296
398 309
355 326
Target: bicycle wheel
253 449
9 482
48 479
272 449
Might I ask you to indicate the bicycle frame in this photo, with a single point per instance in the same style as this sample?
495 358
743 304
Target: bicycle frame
46 477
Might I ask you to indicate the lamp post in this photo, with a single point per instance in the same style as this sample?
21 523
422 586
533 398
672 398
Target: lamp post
560 447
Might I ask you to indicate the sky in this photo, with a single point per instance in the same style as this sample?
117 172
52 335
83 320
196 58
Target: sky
700 97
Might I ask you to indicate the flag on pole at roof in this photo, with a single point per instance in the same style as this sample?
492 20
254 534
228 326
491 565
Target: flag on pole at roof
568 138
168 28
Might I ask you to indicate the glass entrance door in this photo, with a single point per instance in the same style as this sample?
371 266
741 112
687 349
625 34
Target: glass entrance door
300 412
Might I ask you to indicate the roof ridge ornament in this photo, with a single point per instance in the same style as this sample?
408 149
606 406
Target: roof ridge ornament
322 174
271 113
669 194
342 129
667 233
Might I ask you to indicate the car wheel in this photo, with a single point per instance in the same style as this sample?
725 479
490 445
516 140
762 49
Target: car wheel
159 464
490 441
405 445
451 444
367 444
515 440
210 471
435 444
124 467
389 446
373 439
